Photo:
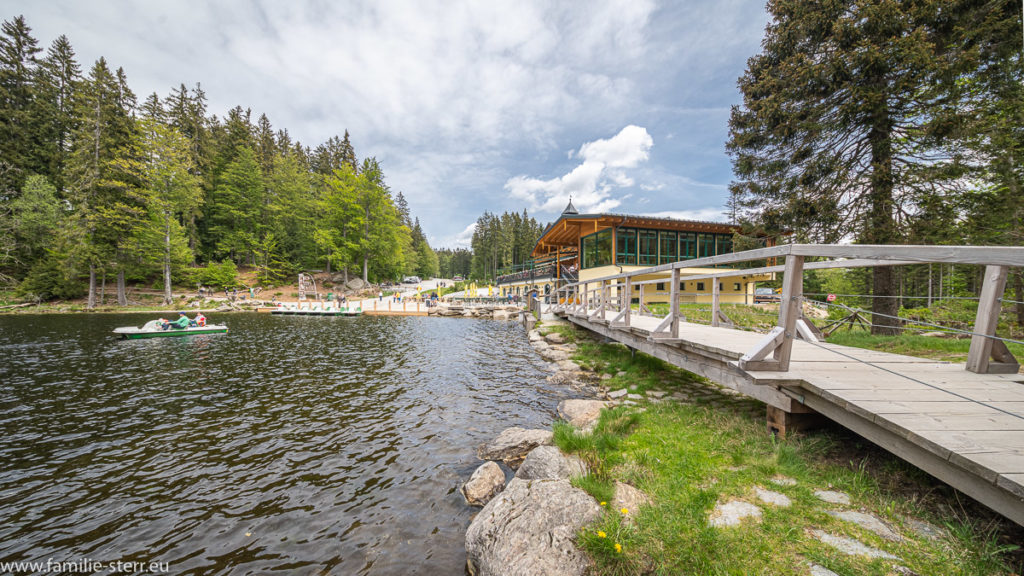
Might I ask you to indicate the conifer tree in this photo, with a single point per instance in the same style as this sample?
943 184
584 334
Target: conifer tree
19 131
836 135
58 79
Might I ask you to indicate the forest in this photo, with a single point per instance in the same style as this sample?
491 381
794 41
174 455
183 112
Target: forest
98 188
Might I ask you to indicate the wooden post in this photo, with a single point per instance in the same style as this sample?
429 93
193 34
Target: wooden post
983 346
673 305
715 292
640 307
789 307
629 298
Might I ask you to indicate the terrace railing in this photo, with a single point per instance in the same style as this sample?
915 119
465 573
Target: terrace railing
988 353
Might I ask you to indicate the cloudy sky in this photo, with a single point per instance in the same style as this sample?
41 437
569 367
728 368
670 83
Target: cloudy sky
469 106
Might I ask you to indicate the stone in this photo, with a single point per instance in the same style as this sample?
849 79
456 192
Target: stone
555 338
513 444
614 394
783 481
925 529
606 376
582 414
832 497
568 366
552 355
732 513
529 530
501 315
628 498
548 462
773 498
634 387
867 522
535 336
656 393
634 397
356 284
484 484
849 546
818 570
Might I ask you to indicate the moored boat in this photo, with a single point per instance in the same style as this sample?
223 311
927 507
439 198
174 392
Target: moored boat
153 329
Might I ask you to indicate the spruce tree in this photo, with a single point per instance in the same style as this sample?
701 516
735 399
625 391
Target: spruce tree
836 136
19 129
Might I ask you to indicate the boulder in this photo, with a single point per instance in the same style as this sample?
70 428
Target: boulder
528 530
629 499
555 338
501 314
582 414
356 284
548 462
535 336
485 482
513 444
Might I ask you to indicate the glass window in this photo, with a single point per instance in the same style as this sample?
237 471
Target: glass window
660 286
735 286
706 245
589 243
667 246
625 246
724 244
687 245
700 286
648 241
604 248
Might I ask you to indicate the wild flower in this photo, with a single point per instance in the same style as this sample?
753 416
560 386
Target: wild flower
624 511
618 548
601 534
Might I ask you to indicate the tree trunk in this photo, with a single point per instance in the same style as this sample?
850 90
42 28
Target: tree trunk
168 297
92 287
122 294
881 228
103 289
366 268
1018 289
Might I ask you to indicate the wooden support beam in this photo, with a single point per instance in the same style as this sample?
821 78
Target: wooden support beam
806 330
980 355
673 305
715 291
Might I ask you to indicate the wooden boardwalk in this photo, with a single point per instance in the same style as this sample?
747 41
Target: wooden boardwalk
964 428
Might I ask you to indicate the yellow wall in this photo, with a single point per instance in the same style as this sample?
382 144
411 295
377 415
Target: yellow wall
730 293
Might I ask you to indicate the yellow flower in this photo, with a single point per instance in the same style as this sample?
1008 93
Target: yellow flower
625 511
601 534
604 503
618 548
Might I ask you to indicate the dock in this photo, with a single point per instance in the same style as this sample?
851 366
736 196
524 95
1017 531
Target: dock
961 423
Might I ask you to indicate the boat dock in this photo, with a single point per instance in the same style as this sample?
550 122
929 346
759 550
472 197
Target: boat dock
962 423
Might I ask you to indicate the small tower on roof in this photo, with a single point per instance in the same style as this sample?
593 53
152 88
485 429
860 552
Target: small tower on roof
570 209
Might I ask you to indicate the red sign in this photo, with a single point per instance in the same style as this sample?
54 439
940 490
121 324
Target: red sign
831 298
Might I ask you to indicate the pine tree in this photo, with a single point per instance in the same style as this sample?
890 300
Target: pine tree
19 131
836 135
58 78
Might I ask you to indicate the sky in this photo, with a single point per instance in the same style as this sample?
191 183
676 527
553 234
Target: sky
468 106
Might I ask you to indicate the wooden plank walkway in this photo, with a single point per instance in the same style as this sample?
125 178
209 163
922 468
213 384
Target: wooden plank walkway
964 428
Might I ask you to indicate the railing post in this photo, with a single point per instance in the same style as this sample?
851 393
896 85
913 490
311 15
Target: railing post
629 298
715 293
789 307
673 305
983 346
640 306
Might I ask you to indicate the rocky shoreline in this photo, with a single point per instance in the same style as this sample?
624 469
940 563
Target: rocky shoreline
528 526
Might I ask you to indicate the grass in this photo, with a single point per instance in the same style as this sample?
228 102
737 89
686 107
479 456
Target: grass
946 349
689 456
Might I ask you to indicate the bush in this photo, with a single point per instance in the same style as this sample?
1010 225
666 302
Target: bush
223 275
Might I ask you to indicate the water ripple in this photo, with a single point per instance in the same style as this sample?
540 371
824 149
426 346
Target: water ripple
310 445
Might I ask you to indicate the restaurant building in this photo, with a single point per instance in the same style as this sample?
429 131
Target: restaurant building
579 247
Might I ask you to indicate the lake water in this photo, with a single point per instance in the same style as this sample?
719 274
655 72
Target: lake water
288 445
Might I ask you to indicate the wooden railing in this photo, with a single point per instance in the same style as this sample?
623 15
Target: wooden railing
988 354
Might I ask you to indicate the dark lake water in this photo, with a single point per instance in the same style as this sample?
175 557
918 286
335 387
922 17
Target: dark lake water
288 445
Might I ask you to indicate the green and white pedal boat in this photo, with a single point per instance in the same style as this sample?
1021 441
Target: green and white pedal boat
152 329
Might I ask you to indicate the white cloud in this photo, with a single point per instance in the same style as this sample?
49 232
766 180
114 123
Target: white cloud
702 214
591 183
461 240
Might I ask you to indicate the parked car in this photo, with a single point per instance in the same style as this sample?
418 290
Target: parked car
411 280
766 295
458 279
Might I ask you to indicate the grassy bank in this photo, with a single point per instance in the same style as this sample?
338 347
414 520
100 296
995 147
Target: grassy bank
702 445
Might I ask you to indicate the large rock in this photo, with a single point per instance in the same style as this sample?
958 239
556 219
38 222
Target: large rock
629 499
548 462
528 530
501 314
356 284
485 482
582 414
555 338
513 444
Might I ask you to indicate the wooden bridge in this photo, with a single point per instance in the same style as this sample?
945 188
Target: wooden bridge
964 424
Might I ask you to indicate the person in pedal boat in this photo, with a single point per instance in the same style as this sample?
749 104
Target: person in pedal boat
179 324
199 321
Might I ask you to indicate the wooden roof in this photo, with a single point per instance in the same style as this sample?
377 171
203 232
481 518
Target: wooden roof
567 230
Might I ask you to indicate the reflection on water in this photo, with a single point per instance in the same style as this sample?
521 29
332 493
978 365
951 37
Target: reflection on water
299 445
